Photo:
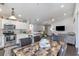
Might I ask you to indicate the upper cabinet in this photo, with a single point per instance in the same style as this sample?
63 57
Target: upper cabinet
6 22
18 24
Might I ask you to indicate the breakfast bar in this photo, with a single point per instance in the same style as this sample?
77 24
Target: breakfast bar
35 50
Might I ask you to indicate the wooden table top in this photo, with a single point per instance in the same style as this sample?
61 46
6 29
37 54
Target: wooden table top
35 50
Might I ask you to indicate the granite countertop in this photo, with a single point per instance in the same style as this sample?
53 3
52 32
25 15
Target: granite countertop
34 50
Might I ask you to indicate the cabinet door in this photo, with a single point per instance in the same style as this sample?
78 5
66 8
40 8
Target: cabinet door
7 22
1 41
71 39
0 23
20 25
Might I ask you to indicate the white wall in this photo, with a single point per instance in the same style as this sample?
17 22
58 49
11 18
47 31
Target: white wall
38 28
76 25
68 23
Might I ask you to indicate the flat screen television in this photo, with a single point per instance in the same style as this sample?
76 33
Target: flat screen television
60 28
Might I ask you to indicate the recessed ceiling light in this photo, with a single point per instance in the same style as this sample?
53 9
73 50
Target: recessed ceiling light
65 14
37 19
62 6
19 15
53 19
0 9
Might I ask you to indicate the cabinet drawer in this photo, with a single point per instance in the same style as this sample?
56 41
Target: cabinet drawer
71 41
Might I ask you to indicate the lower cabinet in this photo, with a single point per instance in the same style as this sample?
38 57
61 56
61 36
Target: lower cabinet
71 39
19 36
1 41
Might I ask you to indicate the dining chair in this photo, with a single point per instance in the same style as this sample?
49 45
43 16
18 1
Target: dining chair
62 50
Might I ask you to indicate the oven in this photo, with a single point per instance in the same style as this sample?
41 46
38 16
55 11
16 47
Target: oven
9 32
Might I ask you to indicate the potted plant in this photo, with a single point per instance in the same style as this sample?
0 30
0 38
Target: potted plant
44 34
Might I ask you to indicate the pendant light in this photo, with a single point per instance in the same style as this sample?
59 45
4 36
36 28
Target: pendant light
12 15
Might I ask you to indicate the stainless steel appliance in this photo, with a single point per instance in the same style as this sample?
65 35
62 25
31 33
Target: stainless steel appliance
9 32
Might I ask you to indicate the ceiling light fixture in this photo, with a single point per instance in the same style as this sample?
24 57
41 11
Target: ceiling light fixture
0 9
12 15
65 14
37 19
19 15
62 6
53 20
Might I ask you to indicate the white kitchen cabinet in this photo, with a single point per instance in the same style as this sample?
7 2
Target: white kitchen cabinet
21 25
1 41
7 22
71 39
0 23
18 24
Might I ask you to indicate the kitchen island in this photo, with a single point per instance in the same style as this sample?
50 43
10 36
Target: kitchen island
35 50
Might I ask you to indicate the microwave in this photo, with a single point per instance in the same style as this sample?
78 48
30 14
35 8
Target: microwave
9 27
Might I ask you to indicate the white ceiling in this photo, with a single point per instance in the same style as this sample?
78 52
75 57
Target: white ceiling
43 11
